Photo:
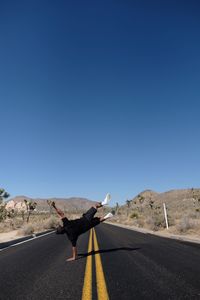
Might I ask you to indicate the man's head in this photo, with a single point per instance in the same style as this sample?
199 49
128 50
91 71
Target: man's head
60 230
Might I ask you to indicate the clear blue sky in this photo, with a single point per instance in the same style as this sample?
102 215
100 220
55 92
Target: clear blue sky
99 96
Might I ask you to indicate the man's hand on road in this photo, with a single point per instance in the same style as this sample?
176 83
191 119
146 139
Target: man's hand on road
71 259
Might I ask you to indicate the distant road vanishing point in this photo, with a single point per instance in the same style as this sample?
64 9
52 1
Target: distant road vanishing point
114 263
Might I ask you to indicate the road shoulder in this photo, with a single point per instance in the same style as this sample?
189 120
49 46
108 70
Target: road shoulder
18 240
161 234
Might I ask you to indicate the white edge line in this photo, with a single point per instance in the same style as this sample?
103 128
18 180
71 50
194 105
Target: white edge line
33 238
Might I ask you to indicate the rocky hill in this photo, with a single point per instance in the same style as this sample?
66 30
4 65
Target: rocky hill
146 210
176 199
73 204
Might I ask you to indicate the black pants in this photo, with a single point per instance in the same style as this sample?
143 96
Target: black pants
89 215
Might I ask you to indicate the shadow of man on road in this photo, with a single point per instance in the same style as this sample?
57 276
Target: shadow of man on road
81 255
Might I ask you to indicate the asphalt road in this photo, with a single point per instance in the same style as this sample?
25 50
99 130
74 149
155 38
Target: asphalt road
122 265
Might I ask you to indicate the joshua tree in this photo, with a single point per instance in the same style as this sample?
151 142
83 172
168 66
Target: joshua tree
196 199
3 195
49 202
128 202
117 207
30 207
151 203
141 199
11 213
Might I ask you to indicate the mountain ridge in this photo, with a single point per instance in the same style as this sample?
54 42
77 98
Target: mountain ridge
66 204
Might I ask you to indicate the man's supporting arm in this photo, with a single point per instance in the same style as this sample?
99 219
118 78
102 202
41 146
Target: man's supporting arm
74 254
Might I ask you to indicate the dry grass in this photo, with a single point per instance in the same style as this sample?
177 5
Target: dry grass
5 227
51 223
37 223
26 230
186 224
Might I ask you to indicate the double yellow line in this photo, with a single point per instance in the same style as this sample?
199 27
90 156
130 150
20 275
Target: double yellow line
100 279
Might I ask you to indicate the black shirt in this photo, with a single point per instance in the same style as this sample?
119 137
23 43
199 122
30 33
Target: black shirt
74 228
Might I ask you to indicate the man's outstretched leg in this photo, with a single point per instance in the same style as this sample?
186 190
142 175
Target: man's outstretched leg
89 215
97 220
108 216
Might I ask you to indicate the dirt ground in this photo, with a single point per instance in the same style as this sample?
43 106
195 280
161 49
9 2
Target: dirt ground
9 236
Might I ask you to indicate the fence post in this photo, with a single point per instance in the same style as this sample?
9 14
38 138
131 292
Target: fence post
165 213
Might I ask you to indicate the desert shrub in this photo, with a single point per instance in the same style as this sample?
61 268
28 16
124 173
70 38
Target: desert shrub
193 215
141 199
140 222
4 227
16 223
150 223
159 221
26 229
155 222
134 215
38 226
140 209
176 214
52 222
185 224
151 204
171 220
3 212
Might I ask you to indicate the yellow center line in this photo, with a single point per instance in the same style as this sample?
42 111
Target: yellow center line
87 286
101 283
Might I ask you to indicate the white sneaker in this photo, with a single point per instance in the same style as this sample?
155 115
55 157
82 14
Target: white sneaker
106 200
109 215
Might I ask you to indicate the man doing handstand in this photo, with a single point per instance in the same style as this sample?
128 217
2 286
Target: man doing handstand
74 228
